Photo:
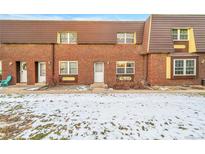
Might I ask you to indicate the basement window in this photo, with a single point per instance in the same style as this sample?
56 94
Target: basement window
184 67
125 38
180 34
125 67
68 67
67 38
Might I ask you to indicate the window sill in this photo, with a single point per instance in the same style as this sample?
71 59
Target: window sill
184 77
126 43
68 43
180 40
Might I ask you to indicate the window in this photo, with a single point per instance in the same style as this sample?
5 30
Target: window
184 67
68 37
125 38
68 67
0 67
125 67
180 34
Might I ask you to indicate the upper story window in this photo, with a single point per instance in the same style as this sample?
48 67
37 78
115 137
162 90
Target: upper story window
125 67
184 67
68 37
125 38
180 34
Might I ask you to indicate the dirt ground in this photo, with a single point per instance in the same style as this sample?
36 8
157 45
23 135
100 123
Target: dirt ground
38 89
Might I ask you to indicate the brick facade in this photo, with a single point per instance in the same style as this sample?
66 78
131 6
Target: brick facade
10 54
86 55
28 41
157 71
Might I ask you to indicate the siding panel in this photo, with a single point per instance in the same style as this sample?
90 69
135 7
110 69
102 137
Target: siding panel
46 31
161 40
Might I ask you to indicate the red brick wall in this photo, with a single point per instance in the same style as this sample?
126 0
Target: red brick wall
157 71
9 54
86 55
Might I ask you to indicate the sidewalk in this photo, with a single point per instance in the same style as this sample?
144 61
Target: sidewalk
39 89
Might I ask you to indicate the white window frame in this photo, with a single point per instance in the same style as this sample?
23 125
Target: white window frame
178 34
68 35
125 68
125 38
184 68
68 68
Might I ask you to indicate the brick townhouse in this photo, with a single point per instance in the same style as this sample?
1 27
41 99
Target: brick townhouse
163 50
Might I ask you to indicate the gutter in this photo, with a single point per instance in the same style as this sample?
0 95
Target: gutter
53 62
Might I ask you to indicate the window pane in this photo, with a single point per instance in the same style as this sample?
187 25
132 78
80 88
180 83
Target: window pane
73 38
174 34
120 70
179 67
63 68
130 38
42 69
64 37
130 35
129 70
183 34
130 64
120 38
125 67
190 66
98 67
120 35
121 64
73 69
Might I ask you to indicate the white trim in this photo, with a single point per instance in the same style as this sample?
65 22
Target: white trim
125 37
103 72
178 34
125 73
39 72
68 35
68 68
184 67
149 34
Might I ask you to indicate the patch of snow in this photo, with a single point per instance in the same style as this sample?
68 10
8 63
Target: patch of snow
33 88
109 116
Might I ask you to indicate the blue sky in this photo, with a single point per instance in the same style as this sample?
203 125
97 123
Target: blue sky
95 17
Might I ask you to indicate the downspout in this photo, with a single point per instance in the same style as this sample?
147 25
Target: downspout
146 67
53 63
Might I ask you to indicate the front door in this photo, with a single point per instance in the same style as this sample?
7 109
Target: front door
23 72
99 72
41 72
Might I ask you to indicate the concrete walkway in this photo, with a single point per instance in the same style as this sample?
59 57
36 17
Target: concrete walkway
38 89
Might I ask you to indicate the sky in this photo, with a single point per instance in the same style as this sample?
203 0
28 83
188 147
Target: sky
89 17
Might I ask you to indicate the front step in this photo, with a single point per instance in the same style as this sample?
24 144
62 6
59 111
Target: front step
98 85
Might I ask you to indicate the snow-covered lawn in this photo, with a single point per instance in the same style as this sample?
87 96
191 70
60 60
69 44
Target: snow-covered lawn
102 116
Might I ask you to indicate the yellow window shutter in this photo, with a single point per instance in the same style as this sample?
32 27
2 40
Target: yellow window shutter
58 37
135 38
192 45
168 67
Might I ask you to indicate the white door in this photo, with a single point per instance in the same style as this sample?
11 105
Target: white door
99 72
23 72
41 72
